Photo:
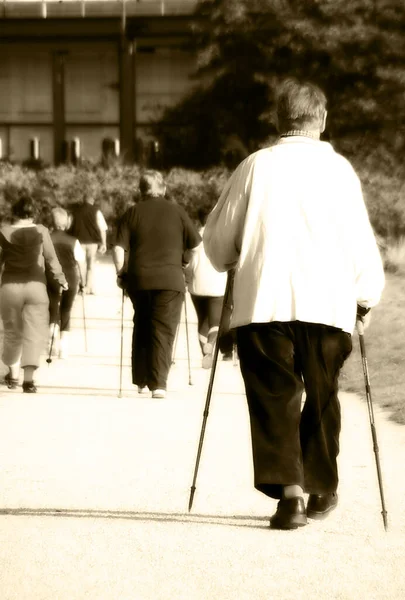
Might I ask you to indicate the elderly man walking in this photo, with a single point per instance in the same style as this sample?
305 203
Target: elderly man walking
292 223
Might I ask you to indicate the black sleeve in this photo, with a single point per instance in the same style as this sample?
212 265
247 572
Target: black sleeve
123 234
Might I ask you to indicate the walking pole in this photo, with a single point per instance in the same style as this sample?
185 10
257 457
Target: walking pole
187 340
81 291
227 298
360 331
122 342
175 344
49 359
234 356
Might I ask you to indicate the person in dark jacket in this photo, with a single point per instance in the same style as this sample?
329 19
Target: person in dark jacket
70 255
156 233
89 227
26 252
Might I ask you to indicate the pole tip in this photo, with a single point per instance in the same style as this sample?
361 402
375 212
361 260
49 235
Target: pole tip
190 502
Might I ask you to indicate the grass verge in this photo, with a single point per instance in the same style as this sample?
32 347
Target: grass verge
385 349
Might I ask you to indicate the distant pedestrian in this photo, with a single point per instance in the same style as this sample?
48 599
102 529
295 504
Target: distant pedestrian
90 228
156 233
26 252
70 255
293 224
206 287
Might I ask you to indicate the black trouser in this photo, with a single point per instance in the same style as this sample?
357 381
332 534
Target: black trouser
208 310
278 362
156 316
66 299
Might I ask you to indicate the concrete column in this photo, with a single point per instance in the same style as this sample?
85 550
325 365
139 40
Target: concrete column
58 90
126 98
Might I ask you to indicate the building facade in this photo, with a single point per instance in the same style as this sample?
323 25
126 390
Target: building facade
77 75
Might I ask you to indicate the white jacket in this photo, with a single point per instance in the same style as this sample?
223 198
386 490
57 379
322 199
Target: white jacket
201 277
293 223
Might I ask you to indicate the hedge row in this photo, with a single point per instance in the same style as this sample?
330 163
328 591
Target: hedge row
116 188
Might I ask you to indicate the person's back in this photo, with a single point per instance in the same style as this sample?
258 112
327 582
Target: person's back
84 226
158 235
201 277
304 232
306 248
22 253
64 245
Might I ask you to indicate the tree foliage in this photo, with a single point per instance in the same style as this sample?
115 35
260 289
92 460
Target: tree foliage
353 50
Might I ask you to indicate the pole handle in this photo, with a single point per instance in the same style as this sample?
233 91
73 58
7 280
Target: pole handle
360 326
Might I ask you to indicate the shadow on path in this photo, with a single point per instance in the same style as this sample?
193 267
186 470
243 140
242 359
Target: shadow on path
252 522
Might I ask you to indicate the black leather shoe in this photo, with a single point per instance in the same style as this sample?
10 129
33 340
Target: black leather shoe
290 514
29 387
11 383
320 505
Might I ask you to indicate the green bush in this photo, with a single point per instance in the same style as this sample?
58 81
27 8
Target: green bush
116 188
113 189
382 178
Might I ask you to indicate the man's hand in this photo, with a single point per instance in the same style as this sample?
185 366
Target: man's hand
122 280
363 316
102 248
64 287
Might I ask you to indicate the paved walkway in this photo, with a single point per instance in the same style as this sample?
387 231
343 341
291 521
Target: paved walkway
94 488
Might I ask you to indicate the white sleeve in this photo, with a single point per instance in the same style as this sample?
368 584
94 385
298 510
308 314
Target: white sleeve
78 252
368 265
102 225
224 228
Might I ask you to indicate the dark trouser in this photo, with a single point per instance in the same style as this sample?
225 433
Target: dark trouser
156 316
278 362
208 310
67 299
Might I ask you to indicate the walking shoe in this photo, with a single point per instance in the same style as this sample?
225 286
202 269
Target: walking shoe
207 361
158 393
29 387
11 383
64 345
227 356
208 348
320 505
142 389
290 514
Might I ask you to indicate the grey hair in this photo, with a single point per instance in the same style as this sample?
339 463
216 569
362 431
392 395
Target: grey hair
299 105
60 217
152 183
